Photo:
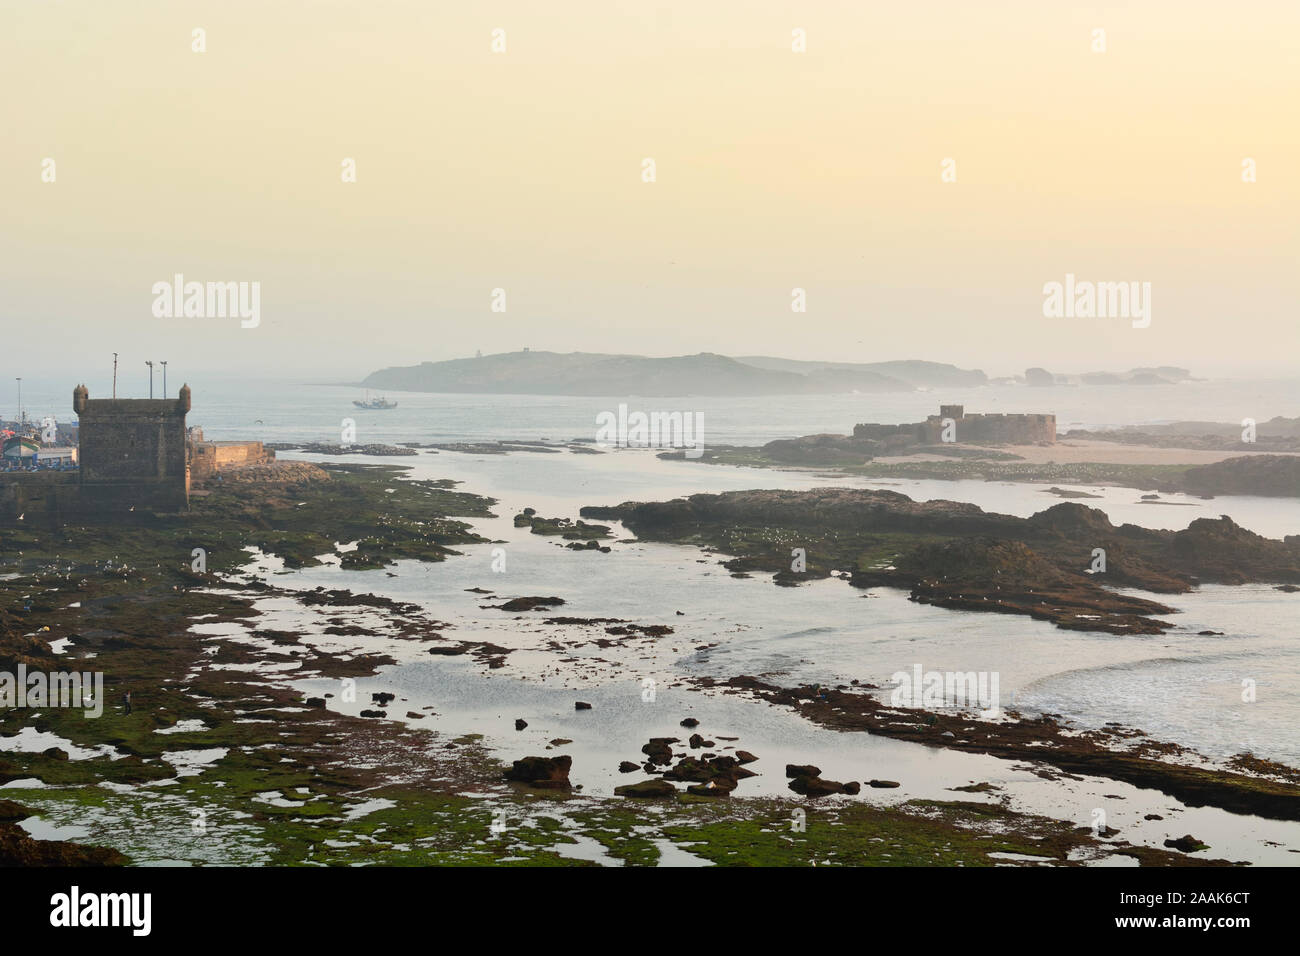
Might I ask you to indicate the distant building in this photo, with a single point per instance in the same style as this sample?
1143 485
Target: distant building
56 454
997 429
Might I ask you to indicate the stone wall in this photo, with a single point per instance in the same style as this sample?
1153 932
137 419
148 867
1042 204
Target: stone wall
209 457
995 429
132 452
40 497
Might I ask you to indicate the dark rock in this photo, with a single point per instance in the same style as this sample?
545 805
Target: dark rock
374 713
628 766
1187 844
646 789
690 722
520 723
659 750
718 787
815 786
802 770
317 702
883 784
544 773
581 705
530 603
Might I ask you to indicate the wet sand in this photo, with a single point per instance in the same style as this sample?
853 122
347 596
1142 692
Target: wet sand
1088 451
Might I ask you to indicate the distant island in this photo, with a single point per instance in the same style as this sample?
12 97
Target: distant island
1162 375
593 373
707 373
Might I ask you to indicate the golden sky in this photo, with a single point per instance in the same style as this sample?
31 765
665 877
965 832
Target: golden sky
775 170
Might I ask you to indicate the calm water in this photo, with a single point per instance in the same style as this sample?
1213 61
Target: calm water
1178 686
290 412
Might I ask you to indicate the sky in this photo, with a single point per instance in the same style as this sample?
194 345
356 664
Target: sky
523 170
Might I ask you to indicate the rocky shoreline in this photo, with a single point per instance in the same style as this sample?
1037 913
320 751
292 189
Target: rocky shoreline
218 733
1062 564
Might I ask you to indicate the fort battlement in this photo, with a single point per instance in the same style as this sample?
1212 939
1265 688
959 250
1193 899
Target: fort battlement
993 429
132 451
136 456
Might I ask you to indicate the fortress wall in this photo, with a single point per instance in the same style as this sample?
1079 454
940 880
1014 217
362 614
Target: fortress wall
211 457
994 429
132 452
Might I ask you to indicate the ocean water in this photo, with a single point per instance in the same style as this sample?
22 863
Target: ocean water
1179 686
230 408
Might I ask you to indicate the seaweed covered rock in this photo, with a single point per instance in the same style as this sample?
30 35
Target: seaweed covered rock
543 773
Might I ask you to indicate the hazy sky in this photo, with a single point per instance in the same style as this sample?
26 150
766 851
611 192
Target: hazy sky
522 170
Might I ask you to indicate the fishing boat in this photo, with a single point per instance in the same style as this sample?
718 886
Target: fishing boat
20 446
374 403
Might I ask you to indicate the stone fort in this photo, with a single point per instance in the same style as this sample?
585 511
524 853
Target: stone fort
135 455
981 429
133 450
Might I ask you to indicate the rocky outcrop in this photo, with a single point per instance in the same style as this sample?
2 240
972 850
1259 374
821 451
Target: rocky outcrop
646 789
958 556
543 773
1268 475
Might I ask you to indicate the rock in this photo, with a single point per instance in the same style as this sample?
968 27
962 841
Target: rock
317 702
383 699
11 812
802 770
628 766
647 789
530 603
815 786
1187 844
1153 816
374 713
560 741
581 705
883 784
853 787
659 750
696 741
544 773
520 723
449 650
55 753
691 769
690 722
744 756
719 787
415 715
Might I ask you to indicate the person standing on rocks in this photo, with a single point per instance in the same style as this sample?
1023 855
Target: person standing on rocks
126 701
